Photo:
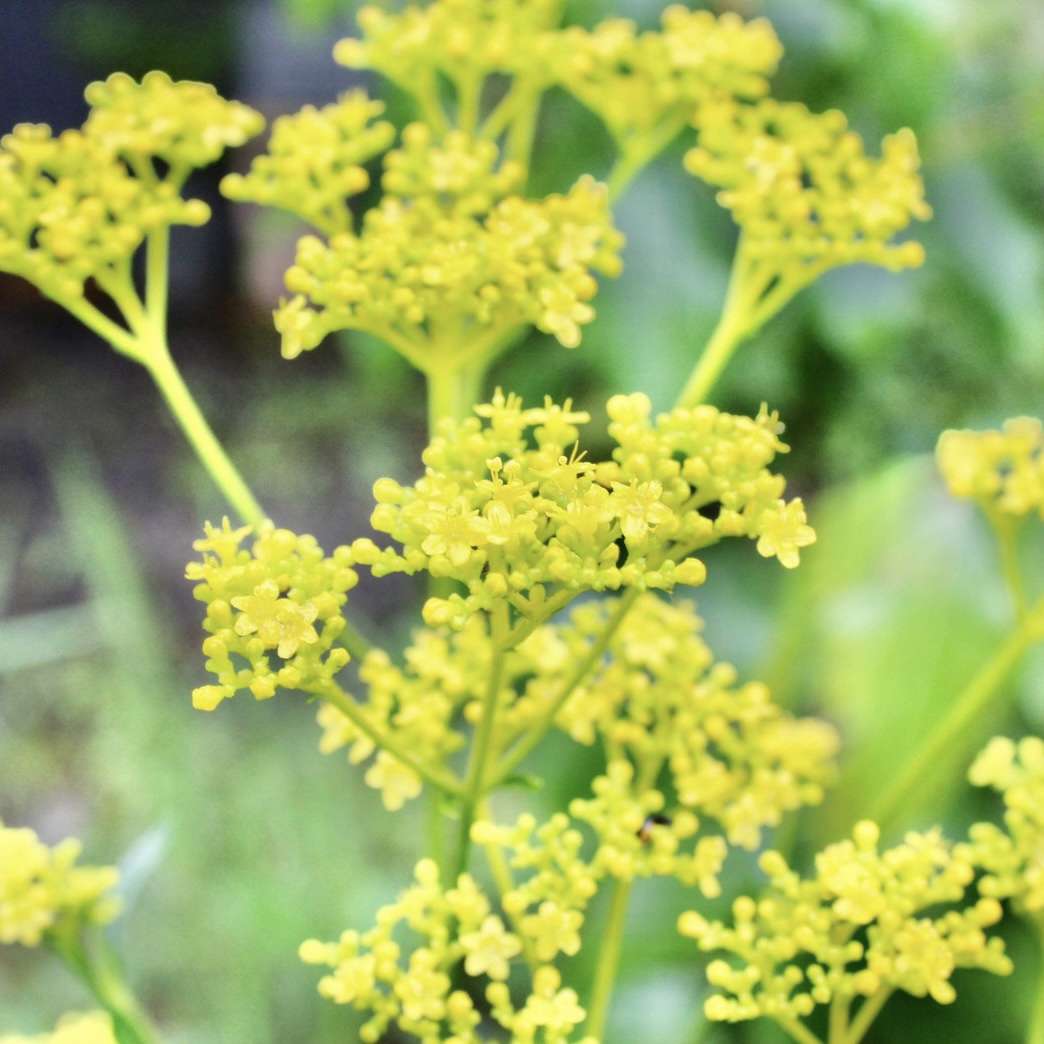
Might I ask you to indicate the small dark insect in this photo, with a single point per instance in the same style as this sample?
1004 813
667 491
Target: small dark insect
644 832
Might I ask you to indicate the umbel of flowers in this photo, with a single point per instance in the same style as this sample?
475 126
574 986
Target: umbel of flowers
43 892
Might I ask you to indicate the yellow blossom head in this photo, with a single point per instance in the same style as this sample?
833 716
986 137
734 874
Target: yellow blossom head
803 191
274 612
1002 470
183 123
864 923
1013 859
42 888
637 82
315 160
511 508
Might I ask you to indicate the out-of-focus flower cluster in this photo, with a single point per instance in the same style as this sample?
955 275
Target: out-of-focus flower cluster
274 612
1013 859
314 161
463 40
421 991
95 1028
658 698
185 124
42 887
639 81
866 923
1002 470
511 519
77 206
802 189
449 261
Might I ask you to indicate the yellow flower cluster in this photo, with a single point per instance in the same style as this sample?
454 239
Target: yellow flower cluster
273 614
70 211
40 887
185 124
1013 860
463 40
804 192
422 991
448 264
1002 470
78 205
658 698
314 162
95 1028
867 923
537 524
636 82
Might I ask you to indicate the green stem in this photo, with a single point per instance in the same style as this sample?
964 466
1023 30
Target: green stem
638 152
608 960
453 394
386 741
157 249
798 1031
970 705
522 130
871 1008
96 963
119 338
156 359
1006 529
482 745
524 747
1035 1034
838 1029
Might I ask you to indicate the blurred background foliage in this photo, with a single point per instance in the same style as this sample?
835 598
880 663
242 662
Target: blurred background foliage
236 839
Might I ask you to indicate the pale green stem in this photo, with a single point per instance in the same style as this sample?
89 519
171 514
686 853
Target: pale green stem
745 286
469 95
871 1008
452 395
798 1031
608 960
1006 530
356 644
94 961
475 785
436 840
156 359
976 699
157 249
637 153
523 129
386 741
1035 1034
121 339
838 1029
532 739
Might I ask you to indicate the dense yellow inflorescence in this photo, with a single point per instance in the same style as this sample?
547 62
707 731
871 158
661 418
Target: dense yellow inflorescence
274 612
427 991
1013 859
1002 470
509 507
804 192
95 1028
315 160
658 697
463 40
639 82
183 123
449 263
42 887
77 206
866 923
